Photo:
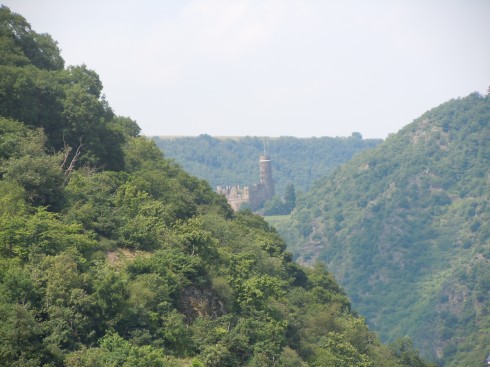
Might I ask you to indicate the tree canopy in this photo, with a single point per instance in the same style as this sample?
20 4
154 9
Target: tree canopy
112 255
405 229
235 161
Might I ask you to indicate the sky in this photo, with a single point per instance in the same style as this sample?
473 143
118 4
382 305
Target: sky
273 67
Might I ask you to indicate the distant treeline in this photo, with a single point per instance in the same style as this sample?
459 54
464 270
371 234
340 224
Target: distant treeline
405 228
111 255
234 161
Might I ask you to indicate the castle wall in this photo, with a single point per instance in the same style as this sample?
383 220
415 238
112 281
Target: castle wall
235 195
251 196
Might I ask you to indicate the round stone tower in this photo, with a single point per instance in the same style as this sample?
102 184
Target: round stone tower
266 176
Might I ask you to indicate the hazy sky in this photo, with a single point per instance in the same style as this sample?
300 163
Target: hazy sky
279 67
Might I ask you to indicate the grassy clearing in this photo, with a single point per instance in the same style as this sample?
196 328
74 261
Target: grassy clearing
277 220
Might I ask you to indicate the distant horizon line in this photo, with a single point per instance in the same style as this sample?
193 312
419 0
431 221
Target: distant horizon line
238 137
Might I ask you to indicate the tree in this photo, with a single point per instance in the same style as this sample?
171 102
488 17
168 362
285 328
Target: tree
340 353
88 79
405 352
112 295
41 177
40 49
20 336
127 261
127 125
290 198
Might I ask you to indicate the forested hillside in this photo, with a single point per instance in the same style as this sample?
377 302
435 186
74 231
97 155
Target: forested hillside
234 161
111 255
405 228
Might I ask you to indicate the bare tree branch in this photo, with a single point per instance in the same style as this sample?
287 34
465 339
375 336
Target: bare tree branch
67 150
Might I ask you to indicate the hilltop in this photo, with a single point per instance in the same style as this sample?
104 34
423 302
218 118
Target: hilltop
405 228
112 255
234 160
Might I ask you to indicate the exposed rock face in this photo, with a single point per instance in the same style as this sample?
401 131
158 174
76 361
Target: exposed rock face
195 302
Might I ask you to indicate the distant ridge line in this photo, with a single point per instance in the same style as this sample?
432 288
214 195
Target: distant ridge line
239 137
220 137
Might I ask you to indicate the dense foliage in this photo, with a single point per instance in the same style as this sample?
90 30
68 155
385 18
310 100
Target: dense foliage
235 161
406 230
280 205
111 255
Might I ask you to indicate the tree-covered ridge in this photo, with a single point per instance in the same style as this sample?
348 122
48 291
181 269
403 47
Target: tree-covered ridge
406 229
234 161
111 255
66 103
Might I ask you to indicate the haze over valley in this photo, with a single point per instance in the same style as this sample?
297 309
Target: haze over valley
245 183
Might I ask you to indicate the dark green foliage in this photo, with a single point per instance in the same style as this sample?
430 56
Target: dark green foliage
290 197
406 353
404 228
66 103
20 336
111 255
21 45
235 161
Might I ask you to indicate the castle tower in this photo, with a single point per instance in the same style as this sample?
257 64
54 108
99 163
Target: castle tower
266 176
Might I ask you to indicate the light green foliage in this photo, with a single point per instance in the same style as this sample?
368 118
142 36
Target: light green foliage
13 234
143 219
40 176
255 291
196 239
90 199
13 137
145 356
111 294
40 233
336 351
23 160
175 334
111 255
114 351
65 303
405 228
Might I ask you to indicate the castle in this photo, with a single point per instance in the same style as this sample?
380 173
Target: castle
251 196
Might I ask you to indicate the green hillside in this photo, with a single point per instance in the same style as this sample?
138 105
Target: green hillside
112 255
405 228
234 161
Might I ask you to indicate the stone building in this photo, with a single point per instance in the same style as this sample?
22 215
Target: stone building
251 196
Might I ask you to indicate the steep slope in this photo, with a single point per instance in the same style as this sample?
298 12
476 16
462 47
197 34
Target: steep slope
234 161
125 260
406 230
